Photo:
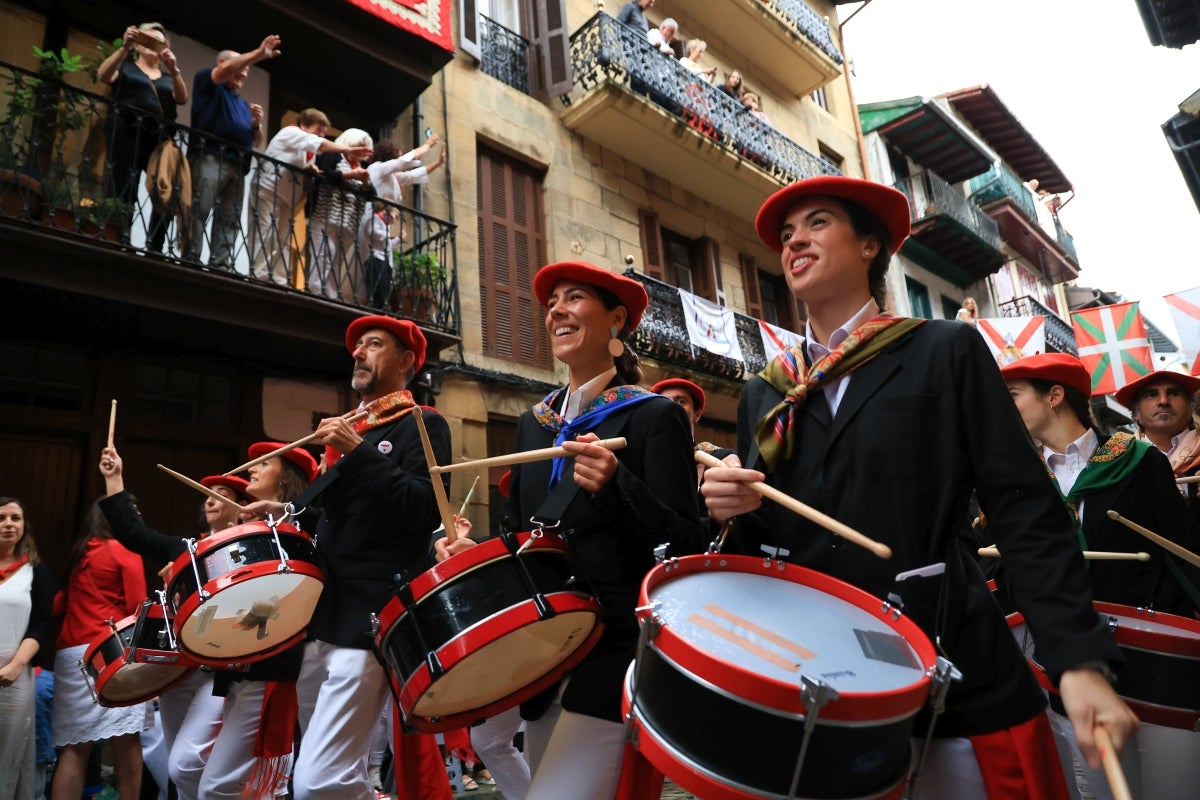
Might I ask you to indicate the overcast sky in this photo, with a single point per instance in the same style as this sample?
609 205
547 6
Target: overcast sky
1084 80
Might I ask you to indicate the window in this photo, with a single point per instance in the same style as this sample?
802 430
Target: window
818 96
768 297
693 265
501 440
43 377
918 298
512 247
831 155
542 22
183 396
950 307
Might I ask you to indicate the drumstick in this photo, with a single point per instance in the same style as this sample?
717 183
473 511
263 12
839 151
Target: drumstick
1188 479
1090 555
112 423
439 490
281 450
544 454
1164 543
1112 764
201 488
808 512
467 499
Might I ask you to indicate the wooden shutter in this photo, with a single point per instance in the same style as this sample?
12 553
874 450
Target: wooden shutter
468 29
551 73
512 247
652 246
750 285
706 267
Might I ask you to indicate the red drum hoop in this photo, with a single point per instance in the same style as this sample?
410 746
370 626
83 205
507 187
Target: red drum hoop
131 664
239 600
716 691
484 631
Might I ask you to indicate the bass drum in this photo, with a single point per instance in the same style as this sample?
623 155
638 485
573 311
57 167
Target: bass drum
132 663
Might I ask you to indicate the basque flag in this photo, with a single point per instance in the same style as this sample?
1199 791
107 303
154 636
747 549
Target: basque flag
1113 345
1185 311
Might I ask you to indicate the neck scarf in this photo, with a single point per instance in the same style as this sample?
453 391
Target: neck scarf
1187 454
775 433
11 569
381 411
609 402
1112 463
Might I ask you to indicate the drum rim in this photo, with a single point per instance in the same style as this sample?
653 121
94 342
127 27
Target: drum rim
784 696
183 561
1126 636
110 671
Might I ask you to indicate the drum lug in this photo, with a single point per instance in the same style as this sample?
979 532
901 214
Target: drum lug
1112 624
814 694
374 625
87 679
893 606
777 554
660 553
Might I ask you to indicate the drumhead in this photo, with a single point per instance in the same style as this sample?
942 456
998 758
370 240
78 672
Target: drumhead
250 616
134 683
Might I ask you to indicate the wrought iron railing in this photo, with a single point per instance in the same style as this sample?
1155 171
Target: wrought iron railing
808 23
281 226
929 194
605 51
505 54
1066 241
1060 335
663 335
1000 183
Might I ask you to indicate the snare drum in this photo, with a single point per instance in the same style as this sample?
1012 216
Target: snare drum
244 594
716 698
485 630
133 663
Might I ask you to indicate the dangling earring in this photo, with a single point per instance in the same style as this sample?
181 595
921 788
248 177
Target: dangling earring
616 347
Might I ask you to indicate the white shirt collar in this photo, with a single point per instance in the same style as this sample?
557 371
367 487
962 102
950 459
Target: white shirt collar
586 393
1067 466
816 350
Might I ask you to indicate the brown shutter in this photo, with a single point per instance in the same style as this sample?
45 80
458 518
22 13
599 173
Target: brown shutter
551 73
706 267
468 29
652 247
750 285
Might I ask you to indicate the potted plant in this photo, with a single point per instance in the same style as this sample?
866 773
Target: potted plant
418 278
104 216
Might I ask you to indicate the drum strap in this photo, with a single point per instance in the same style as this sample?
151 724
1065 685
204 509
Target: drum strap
373 436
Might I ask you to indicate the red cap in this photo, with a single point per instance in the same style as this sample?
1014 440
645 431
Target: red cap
629 292
889 205
406 332
297 455
1060 368
1127 394
232 482
505 482
682 383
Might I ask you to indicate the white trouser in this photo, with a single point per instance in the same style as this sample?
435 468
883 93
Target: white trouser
342 692
232 759
493 743
950 771
191 717
573 755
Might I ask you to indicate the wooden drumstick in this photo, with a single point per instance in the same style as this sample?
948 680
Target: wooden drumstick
200 487
1112 764
544 454
1161 541
808 512
467 499
1188 479
439 490
112 423
1090 555
281 450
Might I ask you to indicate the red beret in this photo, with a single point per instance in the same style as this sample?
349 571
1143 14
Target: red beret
682 383
1060 368
629 292
232 482
406 332
889 205
1127 394
505 482
297 455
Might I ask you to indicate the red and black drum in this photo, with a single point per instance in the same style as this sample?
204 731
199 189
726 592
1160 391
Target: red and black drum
244 594
736 654
485 630
134 662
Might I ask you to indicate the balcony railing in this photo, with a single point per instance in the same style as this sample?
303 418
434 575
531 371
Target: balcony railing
999 183
505 54
929 194
1065 241
808 22
1060 335
605 51
663 335
279 226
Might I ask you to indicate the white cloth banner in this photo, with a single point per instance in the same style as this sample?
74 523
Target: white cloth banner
1185 311
710 326
775 339
1010 338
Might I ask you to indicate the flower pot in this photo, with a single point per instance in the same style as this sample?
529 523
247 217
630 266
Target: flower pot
21 197
415 303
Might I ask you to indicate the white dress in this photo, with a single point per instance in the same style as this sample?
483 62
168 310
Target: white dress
16 701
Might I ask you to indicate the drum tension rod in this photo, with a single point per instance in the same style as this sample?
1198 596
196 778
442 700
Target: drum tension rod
651 624
191 546
283 559
432 662
544 609
941 675
814 694
170 634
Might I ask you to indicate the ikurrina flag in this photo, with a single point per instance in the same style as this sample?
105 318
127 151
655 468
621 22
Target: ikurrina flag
1010 338
1185 311
1113 345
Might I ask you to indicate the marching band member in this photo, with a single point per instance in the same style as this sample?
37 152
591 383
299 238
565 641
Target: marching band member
1161 406
841 422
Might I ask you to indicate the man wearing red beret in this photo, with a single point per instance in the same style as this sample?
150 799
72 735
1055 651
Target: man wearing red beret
1161 406
372 512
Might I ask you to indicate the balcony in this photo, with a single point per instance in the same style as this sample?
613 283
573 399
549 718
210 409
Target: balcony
786 39
504 54
1009 202
951 236
648 109
73 222
1060 334
663 336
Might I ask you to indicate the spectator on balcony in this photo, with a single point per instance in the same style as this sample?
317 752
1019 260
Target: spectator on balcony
148 86
695 54
279 189
632 14
733 85
753 104
340 194
969 313
662 36
389 171
226 128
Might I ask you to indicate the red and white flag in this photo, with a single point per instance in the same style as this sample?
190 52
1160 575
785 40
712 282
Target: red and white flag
710 326
1185 311
1113 345
1010 338
775 339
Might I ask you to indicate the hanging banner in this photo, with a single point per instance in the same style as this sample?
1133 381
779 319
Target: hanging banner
1113 345
1185 311
775 339
429 19
710 326
1010 338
